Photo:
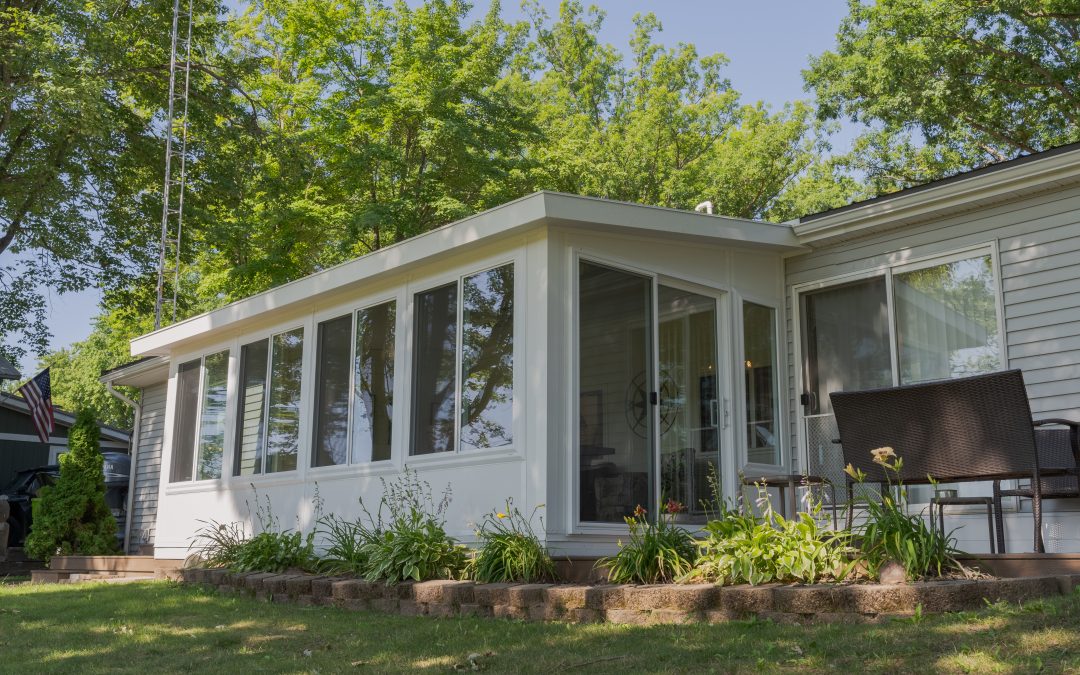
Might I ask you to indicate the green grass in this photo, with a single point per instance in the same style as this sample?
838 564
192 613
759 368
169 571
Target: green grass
155 627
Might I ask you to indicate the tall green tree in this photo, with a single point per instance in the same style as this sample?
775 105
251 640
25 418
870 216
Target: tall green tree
82 90
947 85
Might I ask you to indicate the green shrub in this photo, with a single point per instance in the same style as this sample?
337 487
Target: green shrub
345 542
71 517
657 552
272 549
741 548
889 533
510 550
408 535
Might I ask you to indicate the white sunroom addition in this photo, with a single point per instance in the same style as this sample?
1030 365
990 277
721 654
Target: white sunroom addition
583 354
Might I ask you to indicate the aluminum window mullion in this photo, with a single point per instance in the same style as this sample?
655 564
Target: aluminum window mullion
459 358
266 405
354 336
894 341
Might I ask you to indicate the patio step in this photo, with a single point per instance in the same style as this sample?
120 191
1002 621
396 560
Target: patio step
106 567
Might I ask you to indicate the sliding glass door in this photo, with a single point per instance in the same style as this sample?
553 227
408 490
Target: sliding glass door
649 427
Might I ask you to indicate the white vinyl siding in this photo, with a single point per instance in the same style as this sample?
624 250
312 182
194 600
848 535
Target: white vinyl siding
147 467
1038 241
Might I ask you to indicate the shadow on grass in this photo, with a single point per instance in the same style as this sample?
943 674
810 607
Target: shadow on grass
162 627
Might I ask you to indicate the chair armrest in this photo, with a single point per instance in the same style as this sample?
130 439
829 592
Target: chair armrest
1065 423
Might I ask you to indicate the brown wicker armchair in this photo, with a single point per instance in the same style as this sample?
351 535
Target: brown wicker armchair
1059 454
962 430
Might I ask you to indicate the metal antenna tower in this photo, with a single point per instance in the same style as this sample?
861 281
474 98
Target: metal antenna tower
172 194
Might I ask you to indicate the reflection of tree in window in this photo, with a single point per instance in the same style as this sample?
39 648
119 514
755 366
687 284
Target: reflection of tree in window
373 387
331 441
212 421
946 318
283 426
487 359
434 375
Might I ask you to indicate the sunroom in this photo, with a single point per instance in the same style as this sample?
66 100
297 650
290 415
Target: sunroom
585 355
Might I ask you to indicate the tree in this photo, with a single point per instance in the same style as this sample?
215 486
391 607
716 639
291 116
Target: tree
951 85
666 128
71 517
82 87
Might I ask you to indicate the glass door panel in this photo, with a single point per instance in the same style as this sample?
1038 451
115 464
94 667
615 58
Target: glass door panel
615 381
689 409
845 334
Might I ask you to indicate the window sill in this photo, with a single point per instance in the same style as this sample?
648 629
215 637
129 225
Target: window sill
188 487
343 471
470 458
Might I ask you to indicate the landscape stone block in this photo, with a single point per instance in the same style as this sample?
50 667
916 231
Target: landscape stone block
745 601
475 609
509 612
567 597
491 594
633 617
346 589
673 616
810 599
607 596
526 595
299 585
672 596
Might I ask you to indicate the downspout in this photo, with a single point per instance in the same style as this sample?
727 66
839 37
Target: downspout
134 456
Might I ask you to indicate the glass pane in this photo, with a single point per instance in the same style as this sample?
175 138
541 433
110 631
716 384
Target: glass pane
251 407
434 367
689 432
845 341
946 321
759 351
212 421
331 443
373 390
187 407
487 367
615 444
283 425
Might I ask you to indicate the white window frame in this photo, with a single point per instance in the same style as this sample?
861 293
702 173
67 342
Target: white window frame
458 276
742 413
887 270
229 394
353 310
269 336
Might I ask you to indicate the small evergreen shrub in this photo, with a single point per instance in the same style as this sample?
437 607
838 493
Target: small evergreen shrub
510 550
409 539
658 552
71 517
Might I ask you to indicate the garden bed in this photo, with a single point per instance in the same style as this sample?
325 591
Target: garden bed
629 604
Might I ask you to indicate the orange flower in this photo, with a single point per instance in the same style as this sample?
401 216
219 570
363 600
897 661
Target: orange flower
640 511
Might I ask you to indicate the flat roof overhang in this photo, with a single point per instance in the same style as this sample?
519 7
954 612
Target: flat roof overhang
513 218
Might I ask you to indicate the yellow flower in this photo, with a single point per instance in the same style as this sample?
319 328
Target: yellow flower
849 470
883 455
500 515
856 474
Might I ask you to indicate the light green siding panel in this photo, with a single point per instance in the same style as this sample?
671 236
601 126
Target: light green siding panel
1040 333
148 466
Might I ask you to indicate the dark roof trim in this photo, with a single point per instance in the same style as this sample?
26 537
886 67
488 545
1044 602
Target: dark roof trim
955 178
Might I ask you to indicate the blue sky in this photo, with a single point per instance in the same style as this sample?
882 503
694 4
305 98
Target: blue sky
767 41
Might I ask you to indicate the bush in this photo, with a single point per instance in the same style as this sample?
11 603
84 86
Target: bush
658 552
408 535
890 534
740 548
345 545
71 517
510 550
270 550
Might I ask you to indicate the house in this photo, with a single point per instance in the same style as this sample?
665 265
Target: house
592 355
21 447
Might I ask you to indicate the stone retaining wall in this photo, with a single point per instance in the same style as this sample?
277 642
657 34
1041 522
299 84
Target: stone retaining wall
668 603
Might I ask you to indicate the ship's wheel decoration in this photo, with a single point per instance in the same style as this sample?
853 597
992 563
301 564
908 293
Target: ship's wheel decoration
637 403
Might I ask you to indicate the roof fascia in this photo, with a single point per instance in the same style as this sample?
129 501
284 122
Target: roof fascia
1008 182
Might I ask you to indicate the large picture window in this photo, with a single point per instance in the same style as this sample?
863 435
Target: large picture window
268 424
199 434
354 377
463 370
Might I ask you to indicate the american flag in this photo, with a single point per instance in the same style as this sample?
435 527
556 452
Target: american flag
38 395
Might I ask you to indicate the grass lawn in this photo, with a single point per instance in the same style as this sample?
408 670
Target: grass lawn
154 627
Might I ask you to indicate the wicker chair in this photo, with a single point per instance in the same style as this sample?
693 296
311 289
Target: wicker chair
962 430
1059 453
